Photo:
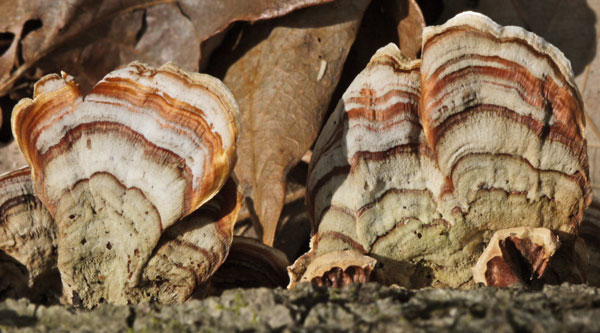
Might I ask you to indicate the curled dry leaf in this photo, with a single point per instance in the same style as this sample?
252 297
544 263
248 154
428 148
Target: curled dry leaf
274 73
28 235
421 162
410 26
293 228
250 264
144 149
90 38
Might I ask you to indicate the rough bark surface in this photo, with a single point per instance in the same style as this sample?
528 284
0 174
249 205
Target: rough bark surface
369 307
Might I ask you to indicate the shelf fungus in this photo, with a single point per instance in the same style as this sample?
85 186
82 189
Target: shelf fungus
28 238
516 255
121 168
531 257
423 160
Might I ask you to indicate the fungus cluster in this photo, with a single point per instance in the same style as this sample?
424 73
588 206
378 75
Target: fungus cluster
135 201
423 164
423 160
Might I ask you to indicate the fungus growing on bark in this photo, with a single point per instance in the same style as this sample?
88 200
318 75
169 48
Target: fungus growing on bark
516 255
334 269
422 161
531 257
28 238
122 167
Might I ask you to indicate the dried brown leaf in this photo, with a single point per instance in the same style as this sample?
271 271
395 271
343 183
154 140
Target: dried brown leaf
282 74
409 27
250 264
88 38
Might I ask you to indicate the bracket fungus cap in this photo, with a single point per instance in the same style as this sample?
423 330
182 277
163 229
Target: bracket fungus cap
422 161
27 231
334 269
510 250
118 167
